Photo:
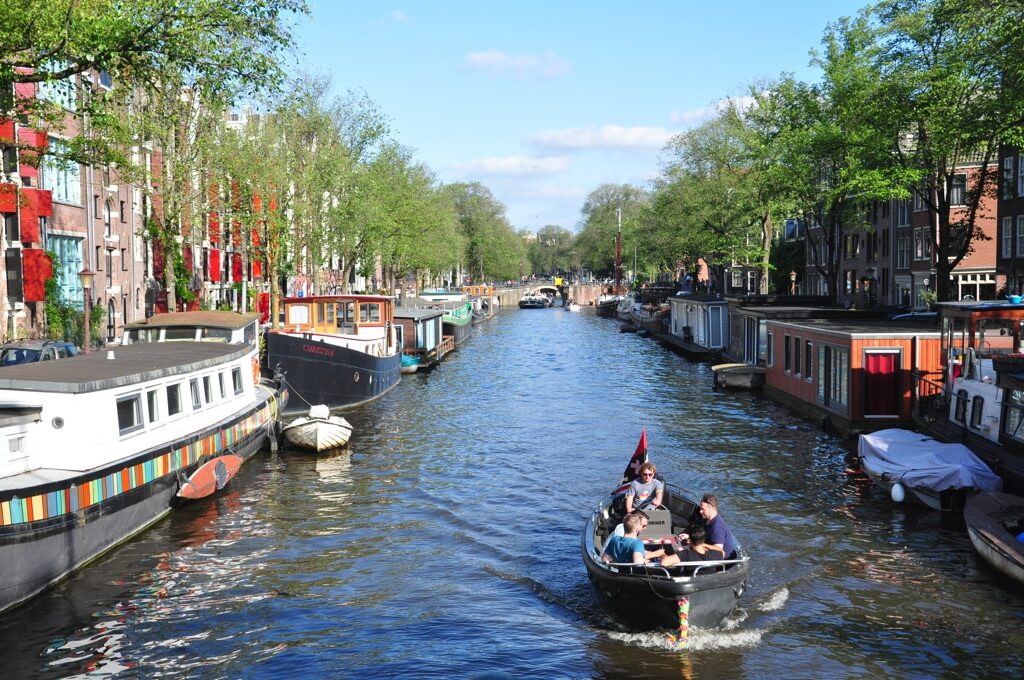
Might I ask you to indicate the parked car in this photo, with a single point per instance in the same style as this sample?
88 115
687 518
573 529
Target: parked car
28 351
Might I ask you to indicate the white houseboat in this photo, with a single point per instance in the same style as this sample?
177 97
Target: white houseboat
95 449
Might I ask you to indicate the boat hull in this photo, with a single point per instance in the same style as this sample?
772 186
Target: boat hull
36 554
318 434
739 376
606 310
322 373
988 516
459 331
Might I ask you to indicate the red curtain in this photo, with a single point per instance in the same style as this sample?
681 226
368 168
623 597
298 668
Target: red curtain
881 384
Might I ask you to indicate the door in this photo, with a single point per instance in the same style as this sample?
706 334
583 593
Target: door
882 395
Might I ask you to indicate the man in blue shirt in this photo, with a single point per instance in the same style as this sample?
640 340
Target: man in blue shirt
628 549
718 533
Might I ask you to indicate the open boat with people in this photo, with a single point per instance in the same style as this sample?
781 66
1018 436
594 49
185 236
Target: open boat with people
649 595
913 465
338 350
995 523
534 300
95 449
318 431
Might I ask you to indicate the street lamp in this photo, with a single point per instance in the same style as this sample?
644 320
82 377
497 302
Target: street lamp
792 283
86 276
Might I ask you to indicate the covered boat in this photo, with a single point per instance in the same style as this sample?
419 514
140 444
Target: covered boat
995 523
646 595
318 431
534 301
910 464
739 376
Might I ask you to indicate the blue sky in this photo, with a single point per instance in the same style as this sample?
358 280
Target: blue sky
542 102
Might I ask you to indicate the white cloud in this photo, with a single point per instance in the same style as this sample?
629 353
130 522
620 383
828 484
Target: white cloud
604 137
498 63
705 113
514 165
400 16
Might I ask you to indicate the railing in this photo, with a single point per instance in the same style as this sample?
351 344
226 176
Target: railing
931 400
447 345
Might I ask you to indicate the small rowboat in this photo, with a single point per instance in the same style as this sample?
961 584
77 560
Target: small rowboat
319 431
995 523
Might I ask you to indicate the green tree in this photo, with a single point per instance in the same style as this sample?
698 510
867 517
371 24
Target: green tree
599 222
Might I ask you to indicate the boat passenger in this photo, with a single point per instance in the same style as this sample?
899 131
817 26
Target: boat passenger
629 549
718 533
646 490
697 550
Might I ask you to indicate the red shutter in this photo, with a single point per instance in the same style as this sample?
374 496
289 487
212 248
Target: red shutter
214 264
6 130
236 268
37 269
214 226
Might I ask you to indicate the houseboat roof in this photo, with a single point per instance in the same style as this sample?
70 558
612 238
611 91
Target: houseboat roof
346 297
876 328
210 319
975 306
801 312
131 364
700 298
418 313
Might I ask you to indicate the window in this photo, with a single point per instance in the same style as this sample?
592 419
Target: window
129 413
1020 235
108 229
8 160
958 190
369 312
197 402
121 213
808 359
220 381
903 213
12 230
61 92
1008 164
298 314
833 370
173 399
124 259
153 406
977 410
110 268
796 356
918 202
105 79
1013 425
1007 237
769 357
208 389
236 379
787 357
960 413
1020 175
60 176
15 280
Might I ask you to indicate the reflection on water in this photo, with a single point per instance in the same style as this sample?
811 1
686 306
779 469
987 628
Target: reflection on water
444 541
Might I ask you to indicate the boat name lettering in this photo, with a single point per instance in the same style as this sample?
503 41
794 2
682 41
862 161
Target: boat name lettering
315 349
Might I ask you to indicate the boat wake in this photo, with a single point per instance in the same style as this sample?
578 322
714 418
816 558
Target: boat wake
699 639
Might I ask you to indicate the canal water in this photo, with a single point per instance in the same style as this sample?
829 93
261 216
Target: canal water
446 542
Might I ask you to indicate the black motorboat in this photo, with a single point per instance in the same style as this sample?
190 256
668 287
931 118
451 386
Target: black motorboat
646 596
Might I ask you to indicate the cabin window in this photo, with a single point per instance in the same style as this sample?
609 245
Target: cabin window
220 381
197 402
833 376
960 413
236 379
298 314
129 414
153 406
208 389
330 313
320 313
173 400
769 355
977 411
250 335
186 334
796 356
1013 425
369 312
808 359
787 364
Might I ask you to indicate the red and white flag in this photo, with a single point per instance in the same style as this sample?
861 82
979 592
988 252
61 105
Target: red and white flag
632 470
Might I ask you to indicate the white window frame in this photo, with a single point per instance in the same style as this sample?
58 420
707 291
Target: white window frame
63 179
138 422
1007 237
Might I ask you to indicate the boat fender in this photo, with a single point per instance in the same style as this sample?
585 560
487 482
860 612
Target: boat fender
898 493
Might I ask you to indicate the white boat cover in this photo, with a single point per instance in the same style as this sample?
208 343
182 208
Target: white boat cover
919 461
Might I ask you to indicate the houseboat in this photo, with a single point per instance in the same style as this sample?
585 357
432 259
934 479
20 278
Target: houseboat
199 326
423 339
337 350
94 450
975 395
457 320
698 326
853 375
489 302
